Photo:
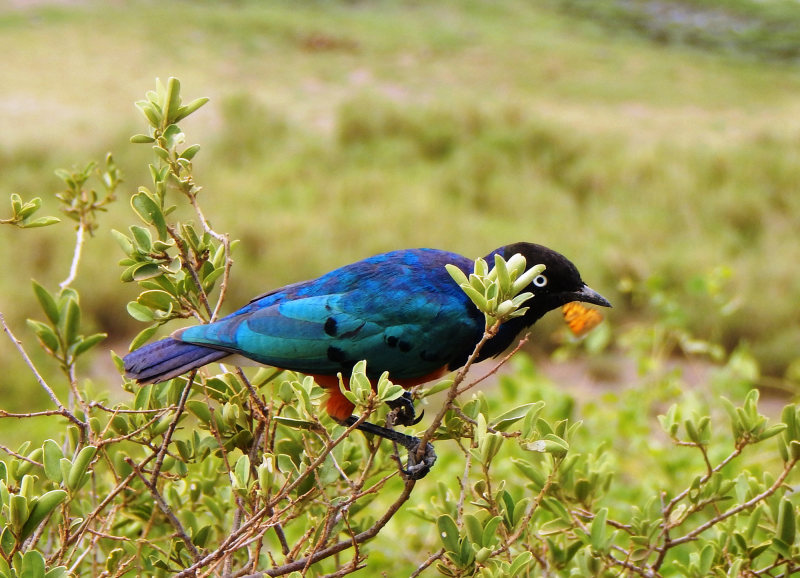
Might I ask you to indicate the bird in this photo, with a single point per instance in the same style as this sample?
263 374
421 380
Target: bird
400 311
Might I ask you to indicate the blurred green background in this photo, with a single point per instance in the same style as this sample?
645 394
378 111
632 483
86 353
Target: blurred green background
651 142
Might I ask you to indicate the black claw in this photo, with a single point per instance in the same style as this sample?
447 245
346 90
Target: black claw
404 410
415 469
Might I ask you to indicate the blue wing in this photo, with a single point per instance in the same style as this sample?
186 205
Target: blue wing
400 311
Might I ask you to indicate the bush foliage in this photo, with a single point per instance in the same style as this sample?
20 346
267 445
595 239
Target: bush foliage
240 473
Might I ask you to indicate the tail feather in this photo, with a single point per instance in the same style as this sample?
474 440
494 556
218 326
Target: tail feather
168 358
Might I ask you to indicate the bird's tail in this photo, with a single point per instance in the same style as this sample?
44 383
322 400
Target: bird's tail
166 359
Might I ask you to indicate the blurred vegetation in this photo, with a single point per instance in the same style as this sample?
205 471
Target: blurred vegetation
763 30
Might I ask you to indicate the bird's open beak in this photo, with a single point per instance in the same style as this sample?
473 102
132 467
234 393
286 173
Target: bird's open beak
589 295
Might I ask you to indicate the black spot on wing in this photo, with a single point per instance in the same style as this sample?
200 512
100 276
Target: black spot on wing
425 356
330 326
336 355
391 341
404 346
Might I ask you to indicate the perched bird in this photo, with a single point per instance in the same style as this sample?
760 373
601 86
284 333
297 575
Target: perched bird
400 311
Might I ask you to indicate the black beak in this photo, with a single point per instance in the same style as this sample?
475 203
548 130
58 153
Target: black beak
589 295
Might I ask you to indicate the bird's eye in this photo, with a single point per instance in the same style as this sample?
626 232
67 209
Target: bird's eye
540 280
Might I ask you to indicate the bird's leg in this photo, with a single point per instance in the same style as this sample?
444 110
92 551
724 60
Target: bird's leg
404 410
414 469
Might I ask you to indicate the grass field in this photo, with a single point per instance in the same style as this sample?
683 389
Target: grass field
339 129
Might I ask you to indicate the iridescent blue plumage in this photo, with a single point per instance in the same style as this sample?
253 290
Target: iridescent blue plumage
400 311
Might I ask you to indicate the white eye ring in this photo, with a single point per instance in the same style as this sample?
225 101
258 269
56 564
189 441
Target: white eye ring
540 280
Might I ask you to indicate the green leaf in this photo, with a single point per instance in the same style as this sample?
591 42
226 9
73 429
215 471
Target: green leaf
52 456
40 222
142 139
45 334
29 208
208 280
794 449
598 533
501 270
457 274
509 418
551 444
18 512
71 320
43 507
142 238
173 99
33 565
532 472
490 531
242 471
360 385
151 113
190 152
7 541
556 526
526 279
520 563
143 336
790 418
78 471
474 529
16 203
200 409
174 136
786 522
146 271
476 297
86 343
437 387
140 312
188 109
156 299
448 532
149 211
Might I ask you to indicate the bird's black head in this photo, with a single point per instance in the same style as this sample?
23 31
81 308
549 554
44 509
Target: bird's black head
559 283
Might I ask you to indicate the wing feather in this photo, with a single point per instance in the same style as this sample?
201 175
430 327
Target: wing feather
402 318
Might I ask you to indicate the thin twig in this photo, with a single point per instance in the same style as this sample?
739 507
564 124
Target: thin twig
189 267
226 275
162 452
11 452
18 344
76 255
165 509
736 509
430 560
498 365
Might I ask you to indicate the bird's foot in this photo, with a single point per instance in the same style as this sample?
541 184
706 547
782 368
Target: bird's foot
403 407
418 468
